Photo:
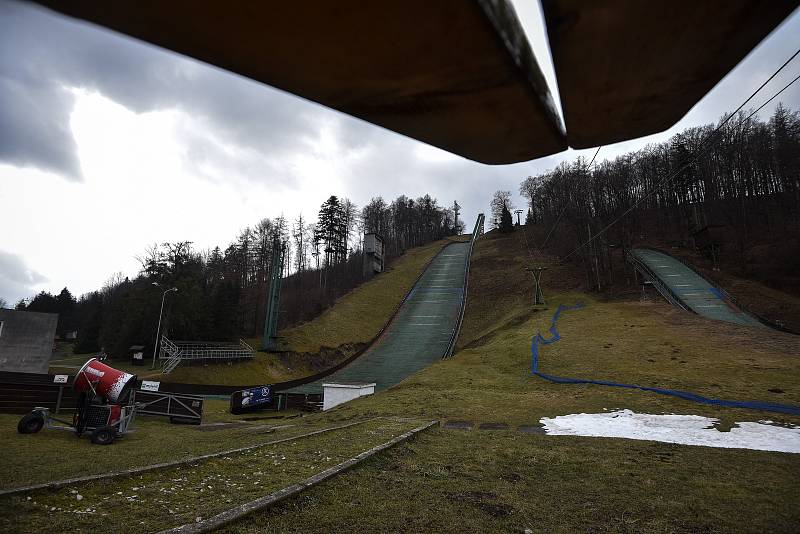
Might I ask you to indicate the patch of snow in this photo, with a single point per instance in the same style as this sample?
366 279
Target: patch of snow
681 429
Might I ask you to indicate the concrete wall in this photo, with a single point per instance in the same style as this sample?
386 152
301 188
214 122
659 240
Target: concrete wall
336 394
26 340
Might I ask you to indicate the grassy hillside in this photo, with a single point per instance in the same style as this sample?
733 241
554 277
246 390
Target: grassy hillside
508 481
328 339
648 343
358 316
504 480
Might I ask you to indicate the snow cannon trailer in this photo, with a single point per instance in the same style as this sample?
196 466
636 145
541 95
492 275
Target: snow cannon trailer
105 409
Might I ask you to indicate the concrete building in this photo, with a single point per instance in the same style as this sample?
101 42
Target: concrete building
373 254
26 340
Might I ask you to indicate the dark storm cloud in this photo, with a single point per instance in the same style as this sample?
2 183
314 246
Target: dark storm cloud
391 168
34 126
237 127
16 278
42 55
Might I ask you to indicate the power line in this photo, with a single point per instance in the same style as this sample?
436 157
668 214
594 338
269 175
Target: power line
595 155
700 150
566 203
773 97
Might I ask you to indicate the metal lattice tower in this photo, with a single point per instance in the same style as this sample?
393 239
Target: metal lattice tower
270 341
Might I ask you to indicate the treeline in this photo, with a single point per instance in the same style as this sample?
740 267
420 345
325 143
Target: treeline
406 223
222 293
716 190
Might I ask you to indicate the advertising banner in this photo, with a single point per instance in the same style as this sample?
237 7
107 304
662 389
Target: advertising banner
252 399
149 385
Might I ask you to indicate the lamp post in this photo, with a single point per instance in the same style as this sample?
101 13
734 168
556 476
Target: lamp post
158 329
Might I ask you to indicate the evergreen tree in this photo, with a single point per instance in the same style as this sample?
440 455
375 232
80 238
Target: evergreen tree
331 230
66 309
506 221
90 322
44 302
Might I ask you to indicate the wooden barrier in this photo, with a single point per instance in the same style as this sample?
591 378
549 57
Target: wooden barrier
21 392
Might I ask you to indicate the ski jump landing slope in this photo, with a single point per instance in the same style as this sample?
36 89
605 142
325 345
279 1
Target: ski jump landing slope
420 333
685 288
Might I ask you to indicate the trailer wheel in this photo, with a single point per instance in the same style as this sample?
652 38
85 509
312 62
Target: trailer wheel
31 423
104 435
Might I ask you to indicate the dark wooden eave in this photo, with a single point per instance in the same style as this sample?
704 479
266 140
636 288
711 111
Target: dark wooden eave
457 74
629 68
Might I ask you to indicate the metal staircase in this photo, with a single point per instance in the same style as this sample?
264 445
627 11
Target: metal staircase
171 353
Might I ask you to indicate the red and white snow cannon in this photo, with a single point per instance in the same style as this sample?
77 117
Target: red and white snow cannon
105 405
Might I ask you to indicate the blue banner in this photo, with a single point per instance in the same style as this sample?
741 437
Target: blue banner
251 399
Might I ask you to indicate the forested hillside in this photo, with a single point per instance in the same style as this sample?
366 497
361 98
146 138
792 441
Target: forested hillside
221 293
730 190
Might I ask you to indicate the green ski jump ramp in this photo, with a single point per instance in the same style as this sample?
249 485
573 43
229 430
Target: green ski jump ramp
686 289
420 332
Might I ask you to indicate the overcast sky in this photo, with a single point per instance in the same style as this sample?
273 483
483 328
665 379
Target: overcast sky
108 145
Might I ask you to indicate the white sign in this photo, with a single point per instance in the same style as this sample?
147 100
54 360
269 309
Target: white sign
138 356
149 385
60 379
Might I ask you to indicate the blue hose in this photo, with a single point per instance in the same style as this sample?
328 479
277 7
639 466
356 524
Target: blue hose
555 336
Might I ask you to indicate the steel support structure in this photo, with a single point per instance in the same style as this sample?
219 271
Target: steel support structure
270 341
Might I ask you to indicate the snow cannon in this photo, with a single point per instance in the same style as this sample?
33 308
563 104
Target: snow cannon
104 381
105 405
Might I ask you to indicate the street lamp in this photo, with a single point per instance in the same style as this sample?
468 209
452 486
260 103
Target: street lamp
158 329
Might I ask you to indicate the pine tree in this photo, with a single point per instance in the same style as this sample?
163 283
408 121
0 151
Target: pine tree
66 308
506 221
331 231
44 302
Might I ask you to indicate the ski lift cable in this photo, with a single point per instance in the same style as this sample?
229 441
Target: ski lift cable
705 145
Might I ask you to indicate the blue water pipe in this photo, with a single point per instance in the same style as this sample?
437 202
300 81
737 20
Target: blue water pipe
538 339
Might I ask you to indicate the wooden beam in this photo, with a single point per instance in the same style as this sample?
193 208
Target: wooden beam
457 74
630 68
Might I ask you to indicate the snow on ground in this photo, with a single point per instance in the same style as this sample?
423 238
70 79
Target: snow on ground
683 429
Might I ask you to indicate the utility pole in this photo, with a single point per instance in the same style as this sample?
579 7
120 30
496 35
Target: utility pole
611 247
594 255
538 296
518 212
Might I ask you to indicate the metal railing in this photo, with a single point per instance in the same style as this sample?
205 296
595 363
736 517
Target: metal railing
657 283
713 282
205 350
476 233
174 352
